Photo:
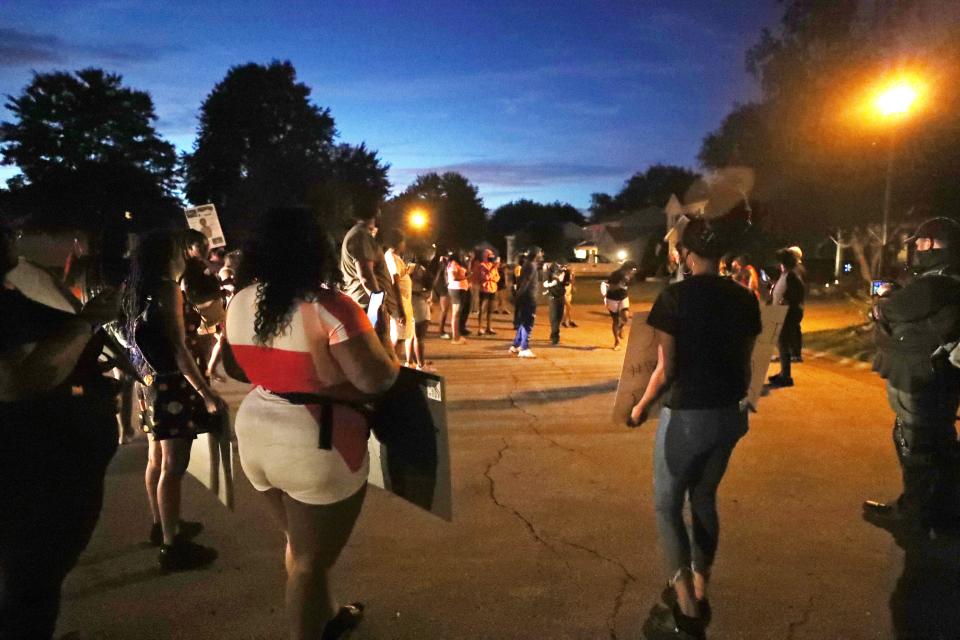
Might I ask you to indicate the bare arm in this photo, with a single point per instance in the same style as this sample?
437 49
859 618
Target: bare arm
368 278
230 364
27 375
660 379
171 314
367 366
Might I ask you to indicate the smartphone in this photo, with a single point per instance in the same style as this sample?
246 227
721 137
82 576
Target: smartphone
876 285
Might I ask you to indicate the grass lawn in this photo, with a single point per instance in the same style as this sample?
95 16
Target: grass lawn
587 291
848 342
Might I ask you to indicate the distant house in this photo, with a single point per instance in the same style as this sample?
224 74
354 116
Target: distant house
633 237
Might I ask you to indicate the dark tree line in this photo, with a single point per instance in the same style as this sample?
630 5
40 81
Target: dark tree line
456 217
88 152
534 223
651 188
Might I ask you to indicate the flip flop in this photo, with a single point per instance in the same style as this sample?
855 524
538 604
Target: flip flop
346 620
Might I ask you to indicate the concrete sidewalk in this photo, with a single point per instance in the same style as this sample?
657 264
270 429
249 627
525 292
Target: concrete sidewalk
554 534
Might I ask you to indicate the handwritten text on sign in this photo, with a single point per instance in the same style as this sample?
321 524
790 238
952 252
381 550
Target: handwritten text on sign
639 362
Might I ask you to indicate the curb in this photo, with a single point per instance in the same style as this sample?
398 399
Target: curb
844 361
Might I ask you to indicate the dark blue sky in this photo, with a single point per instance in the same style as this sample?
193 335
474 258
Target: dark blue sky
546 100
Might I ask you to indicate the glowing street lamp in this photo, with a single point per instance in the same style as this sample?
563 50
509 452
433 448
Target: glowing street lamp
897 99
893 103
417 219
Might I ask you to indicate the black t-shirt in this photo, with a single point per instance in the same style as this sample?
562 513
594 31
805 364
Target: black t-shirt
714 321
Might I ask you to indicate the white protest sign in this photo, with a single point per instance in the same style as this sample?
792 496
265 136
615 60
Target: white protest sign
205 220
639 362
211 462
771 320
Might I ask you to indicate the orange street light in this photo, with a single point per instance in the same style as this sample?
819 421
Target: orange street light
894 101
897 100
417 219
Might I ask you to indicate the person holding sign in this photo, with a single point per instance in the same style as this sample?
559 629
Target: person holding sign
310 352
705 328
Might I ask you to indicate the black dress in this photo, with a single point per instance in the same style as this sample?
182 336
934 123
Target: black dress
175 408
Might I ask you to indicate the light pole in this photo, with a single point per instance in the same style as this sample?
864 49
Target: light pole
893 104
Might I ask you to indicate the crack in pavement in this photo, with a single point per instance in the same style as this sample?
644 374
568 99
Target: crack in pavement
534 419
531 529
625 581
804 618
626 576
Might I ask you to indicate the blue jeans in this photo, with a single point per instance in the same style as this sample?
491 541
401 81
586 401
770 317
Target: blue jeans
691 453
526 315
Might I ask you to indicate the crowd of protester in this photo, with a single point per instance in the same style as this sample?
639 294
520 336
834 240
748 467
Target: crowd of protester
318 331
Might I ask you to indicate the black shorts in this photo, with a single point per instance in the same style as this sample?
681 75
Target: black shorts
458 296
487 295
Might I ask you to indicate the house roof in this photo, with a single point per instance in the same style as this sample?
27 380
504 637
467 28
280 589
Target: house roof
625 234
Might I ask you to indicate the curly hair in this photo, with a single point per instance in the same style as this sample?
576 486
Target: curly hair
149 265
288 257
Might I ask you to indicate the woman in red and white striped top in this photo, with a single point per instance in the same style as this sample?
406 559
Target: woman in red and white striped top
299 340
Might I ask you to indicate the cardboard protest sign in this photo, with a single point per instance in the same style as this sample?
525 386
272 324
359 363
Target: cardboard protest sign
205 220
771 320
413 460
211 462
639 362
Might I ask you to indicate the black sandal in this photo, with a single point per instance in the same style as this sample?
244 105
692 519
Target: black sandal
691 627
669 598
346 620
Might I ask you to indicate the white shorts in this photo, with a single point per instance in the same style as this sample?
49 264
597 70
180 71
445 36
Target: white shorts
616 306
278 444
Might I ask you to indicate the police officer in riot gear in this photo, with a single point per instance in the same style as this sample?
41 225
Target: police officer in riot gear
917 325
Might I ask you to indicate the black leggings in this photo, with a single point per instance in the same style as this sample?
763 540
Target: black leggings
53 457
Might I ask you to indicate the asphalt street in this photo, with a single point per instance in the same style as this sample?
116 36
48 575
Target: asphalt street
553 533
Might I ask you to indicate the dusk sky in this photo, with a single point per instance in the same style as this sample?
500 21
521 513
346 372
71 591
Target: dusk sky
544 100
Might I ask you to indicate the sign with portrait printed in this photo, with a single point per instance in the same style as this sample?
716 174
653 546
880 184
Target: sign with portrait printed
205 220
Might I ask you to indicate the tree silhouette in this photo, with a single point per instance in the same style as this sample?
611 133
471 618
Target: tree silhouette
819 158
457 217
87 152
262 143
651 188
538 224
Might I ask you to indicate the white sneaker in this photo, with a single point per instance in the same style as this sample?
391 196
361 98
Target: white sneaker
526 353
514 349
